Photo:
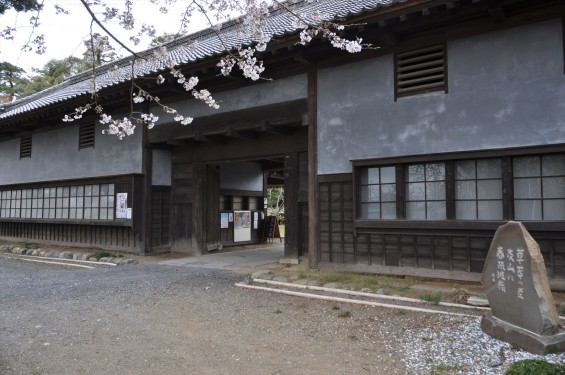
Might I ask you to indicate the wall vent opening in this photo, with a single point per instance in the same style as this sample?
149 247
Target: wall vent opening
25 147
86 135
421 71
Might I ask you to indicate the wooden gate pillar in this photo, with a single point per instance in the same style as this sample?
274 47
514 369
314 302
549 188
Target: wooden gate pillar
291 209
313 226
198 208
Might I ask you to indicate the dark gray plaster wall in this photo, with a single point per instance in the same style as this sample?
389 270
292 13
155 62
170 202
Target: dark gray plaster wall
161 167
241 176
55 156
506 89
271 92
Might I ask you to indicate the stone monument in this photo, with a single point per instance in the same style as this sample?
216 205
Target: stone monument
516 284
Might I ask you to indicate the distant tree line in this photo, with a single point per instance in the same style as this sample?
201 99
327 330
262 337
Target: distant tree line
16 82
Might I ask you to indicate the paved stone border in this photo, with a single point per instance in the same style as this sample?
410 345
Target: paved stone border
14 249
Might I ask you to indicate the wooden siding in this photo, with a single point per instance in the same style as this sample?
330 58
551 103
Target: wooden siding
181 199
336 221
409 247
103 236
160 215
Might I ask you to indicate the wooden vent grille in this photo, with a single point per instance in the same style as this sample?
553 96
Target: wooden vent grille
86 135
25 147
421 71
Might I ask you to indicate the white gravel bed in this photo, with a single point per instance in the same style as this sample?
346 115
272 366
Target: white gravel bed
461 347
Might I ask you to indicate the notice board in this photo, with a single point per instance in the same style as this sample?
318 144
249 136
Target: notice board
269 228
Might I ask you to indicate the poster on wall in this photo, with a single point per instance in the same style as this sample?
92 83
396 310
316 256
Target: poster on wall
230 217
224 223
122 206
242 226
242 219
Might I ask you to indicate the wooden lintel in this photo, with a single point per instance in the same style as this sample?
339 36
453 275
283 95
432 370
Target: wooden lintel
217 138
498 13
303 59
280 130
202 139
178 142
386 35
241 134
237 78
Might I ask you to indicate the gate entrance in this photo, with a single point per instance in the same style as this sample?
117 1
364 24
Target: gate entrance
222 166
247 204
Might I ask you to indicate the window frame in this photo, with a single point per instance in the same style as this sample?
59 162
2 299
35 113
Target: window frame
541 177
477 200
505 155
40 202
379 186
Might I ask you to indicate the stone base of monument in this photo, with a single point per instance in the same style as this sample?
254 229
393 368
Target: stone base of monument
522 338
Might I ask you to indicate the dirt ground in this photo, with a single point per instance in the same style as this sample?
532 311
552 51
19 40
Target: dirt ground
149 319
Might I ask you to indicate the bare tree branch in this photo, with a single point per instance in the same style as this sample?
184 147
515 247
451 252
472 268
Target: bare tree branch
95 19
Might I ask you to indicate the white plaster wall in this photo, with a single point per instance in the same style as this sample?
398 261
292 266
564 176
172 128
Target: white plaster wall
506 89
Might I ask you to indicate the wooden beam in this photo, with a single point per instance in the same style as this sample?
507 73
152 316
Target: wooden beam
241 134
497 12
313 224
386 35
279 130
303 58
202 138
198 207
291 209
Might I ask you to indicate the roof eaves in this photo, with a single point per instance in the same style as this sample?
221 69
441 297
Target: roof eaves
184 50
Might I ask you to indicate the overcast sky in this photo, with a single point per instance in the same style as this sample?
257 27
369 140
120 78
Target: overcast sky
65 34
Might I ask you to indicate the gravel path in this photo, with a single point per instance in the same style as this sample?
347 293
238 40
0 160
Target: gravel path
152 319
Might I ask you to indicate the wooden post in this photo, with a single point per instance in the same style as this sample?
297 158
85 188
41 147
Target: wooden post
291 206
198 207
212 208
313 224
147 168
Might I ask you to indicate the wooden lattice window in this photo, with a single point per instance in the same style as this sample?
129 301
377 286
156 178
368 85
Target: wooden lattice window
25 147
86 135
421 71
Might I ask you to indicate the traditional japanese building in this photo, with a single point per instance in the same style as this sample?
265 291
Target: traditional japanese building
400 159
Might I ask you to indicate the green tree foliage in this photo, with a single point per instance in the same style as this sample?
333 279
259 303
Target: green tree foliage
158 40
11 77
275 203
19 5
54 72
98 50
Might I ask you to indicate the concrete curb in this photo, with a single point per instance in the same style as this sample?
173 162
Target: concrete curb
364 294
353 301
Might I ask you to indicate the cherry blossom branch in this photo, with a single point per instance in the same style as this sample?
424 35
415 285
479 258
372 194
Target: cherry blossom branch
325 29
252 26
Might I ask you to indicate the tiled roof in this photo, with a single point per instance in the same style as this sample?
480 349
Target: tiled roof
182 51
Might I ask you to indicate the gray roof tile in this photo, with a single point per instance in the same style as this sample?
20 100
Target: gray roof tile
278 24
